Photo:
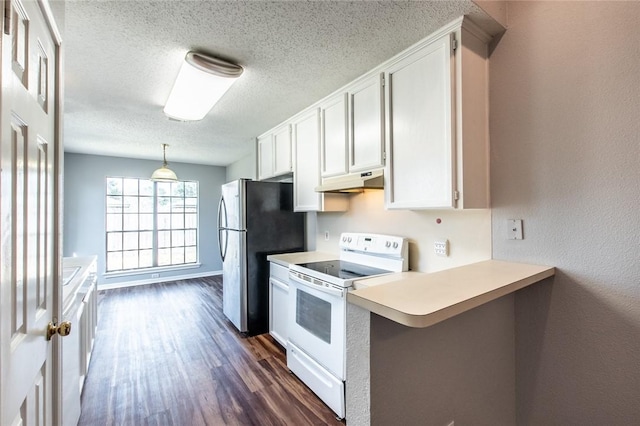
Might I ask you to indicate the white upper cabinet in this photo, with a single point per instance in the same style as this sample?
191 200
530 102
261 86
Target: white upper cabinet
366 133
423 115
437 124
334 136
282 150
265 157
274 153
420 150
306 172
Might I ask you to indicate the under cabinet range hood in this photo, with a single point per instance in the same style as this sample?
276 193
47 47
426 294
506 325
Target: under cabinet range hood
354 182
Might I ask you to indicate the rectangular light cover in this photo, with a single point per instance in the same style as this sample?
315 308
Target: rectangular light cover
194 93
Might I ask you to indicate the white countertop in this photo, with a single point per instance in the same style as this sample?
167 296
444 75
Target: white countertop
287 259
418 299
86 265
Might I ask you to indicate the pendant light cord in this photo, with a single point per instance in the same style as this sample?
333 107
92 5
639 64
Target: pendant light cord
164 154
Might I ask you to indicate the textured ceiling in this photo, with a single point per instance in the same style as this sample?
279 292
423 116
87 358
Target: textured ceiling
121 58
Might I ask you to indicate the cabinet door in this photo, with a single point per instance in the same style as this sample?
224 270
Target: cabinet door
334 136
306 173
279 310
420 142
87 324
265 157
282 150
70 369
366 105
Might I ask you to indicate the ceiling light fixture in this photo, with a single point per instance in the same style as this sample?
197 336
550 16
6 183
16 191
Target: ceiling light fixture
164 174
201 82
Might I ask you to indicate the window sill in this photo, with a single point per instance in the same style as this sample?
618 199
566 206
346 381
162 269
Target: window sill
147 271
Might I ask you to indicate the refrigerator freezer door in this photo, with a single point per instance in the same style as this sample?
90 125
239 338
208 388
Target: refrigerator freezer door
232 214
234 283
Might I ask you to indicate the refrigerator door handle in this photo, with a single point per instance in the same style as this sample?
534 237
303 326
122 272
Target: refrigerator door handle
222 253
222 208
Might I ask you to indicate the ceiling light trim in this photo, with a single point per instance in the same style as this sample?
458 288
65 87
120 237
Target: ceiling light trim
213 65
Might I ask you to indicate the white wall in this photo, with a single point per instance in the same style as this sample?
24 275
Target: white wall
565 153
84 210
243 168
468 232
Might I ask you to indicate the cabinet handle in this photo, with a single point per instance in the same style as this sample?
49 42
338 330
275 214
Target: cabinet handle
279 284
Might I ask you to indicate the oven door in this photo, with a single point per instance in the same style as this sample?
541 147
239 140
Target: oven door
317 323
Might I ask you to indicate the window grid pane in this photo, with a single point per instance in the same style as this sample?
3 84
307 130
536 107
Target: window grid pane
148 220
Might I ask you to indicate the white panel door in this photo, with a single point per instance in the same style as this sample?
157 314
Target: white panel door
28 250
306 173
366 105
282 150
420 141
334 136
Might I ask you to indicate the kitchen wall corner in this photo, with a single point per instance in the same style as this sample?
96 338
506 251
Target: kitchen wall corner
243 168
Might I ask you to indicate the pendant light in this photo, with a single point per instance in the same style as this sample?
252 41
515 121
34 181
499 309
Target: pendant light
164 174
201 82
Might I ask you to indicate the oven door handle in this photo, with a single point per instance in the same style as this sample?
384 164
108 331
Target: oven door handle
329 290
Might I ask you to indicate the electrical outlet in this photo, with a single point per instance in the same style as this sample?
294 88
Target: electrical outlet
514 229
441 247
326 235
155 275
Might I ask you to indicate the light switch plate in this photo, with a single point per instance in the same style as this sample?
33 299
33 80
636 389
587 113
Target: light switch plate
514 229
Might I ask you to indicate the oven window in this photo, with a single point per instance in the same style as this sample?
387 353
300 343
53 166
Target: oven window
314 315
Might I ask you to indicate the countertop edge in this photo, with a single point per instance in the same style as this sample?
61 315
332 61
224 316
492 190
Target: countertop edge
430 318
286 259
70 291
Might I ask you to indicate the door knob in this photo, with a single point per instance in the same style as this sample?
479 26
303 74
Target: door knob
63 329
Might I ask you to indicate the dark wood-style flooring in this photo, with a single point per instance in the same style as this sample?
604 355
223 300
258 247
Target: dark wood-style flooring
165 355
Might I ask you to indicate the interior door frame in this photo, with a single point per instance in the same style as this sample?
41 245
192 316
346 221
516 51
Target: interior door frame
58 203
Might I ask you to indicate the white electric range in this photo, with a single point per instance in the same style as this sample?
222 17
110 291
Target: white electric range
316 349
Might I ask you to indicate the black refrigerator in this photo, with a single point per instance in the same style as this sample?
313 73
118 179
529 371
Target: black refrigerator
255 219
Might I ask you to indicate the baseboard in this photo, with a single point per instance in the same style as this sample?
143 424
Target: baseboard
158 280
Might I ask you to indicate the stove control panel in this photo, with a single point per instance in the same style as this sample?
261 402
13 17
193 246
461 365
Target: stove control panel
386 245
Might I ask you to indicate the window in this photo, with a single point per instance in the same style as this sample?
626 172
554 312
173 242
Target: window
150 224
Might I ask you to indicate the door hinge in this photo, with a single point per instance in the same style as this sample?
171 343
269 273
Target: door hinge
456 195
383 82
7 17
454 44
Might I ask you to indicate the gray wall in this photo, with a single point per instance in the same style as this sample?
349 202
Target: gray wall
565 152
460 370
84 214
